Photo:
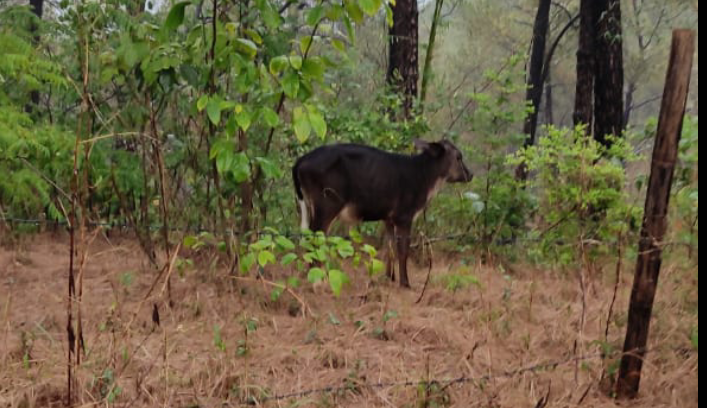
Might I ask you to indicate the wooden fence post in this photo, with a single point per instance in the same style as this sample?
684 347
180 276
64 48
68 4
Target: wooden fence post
665 153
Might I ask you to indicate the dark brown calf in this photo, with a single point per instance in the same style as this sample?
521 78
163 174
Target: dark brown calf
360 183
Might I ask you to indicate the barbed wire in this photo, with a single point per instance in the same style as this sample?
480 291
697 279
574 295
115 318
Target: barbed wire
444 383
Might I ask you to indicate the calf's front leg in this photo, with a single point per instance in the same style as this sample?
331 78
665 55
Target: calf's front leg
402 236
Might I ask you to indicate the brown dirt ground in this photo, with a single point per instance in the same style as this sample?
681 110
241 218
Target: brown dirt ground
513 320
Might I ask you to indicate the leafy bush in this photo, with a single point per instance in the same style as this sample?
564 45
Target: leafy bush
494 207
686 187
315 257
581 201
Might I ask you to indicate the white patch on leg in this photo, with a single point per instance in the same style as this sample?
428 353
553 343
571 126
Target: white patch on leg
305 214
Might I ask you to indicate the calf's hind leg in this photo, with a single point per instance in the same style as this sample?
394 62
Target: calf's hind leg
402 236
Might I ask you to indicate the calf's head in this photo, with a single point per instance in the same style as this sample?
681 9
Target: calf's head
450 160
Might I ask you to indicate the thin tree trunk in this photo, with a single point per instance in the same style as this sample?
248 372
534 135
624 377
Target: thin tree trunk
535 78
584 95
246 190
549 113
628 108
427 70
665 153
37 7
609 79
402 74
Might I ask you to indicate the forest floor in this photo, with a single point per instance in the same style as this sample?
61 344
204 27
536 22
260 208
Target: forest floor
511 341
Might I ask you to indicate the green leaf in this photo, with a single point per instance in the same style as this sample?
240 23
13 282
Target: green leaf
337 279
189 241
316 275
278 64
296 62
265 257
301 124
241 167
190 74
304 44
314 68
247 262
288 259
317 121
246 47
389 15
113 394
265 242
354 11
225 105
220 146
201 103
321 254
345 249
271 17
334 12
243 118
290 84
370 7
314 15
293 282
251 325
175 18
285 243
213 110
270 169
376 267
350 32
254 36
271 118
339 45
370 250
276 293
224 161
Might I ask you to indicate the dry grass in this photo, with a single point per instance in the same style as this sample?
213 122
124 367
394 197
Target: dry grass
509 322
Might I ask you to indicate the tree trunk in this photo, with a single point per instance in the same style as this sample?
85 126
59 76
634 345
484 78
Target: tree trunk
628 107
37 7
535 78
246 190
534 91
584 96
427 70
654 226
549 114
609 78
403 72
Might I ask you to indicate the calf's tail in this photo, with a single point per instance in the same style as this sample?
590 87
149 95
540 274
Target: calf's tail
295 179
304 213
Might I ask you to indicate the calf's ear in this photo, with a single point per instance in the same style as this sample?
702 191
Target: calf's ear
436 149
420 145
